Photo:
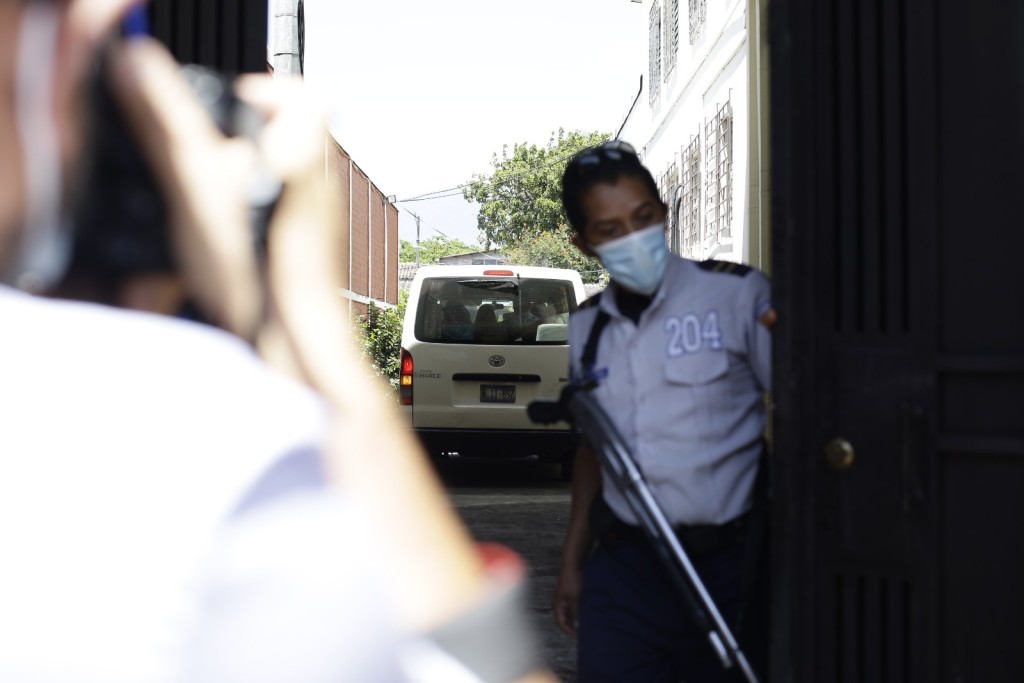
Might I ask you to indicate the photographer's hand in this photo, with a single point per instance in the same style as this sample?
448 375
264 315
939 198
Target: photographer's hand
434 571
203 177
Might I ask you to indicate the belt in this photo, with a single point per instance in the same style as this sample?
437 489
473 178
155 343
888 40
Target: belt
698 540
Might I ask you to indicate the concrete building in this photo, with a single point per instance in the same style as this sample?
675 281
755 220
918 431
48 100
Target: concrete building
700 124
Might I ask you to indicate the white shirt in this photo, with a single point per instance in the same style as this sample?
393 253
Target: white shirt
154 475
685 388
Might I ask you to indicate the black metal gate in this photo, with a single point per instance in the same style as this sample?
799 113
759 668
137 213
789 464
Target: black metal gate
229 35
899 423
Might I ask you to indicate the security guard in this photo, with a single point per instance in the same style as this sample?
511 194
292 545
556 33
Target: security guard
681 352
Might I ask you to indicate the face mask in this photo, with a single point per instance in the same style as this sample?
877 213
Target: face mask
637 261
45 242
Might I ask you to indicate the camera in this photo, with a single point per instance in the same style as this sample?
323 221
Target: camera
120 217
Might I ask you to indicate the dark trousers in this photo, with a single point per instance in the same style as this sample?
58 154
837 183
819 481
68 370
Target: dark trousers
633 627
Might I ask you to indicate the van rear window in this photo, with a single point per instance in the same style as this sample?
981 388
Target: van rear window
494 310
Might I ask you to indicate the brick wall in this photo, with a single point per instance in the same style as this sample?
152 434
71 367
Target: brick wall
372 264
359 233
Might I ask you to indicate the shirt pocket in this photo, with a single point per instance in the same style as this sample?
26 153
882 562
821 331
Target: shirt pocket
697 368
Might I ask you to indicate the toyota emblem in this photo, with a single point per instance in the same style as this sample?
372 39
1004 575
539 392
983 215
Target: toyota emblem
496 361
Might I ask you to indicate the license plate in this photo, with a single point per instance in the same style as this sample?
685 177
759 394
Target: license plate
497 393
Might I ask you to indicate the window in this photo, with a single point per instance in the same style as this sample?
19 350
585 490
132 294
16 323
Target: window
718 223
494 310
698 17
654 82
690 218
671 36
670 187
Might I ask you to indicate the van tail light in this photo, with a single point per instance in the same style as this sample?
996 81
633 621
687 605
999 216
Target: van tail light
507 273
405 379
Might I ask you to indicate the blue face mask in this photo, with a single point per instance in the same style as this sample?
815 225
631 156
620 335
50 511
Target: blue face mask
637 261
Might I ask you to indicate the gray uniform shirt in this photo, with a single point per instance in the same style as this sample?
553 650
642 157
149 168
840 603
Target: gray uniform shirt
685 387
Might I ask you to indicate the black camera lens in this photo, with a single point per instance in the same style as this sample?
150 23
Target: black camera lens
120 216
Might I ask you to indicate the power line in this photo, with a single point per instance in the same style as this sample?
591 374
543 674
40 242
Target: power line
426 195
423 199
418 221
493 182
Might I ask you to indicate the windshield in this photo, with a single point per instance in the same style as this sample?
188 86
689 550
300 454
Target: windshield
494 310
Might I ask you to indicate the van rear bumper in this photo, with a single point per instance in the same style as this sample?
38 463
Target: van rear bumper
548 444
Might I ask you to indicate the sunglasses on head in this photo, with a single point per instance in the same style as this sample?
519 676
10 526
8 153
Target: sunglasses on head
616 150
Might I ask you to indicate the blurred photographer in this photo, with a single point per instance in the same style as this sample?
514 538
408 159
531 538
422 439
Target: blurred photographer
174 506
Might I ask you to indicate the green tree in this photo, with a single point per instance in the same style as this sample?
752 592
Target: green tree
381 331
521 198
432 249
406 252
553 248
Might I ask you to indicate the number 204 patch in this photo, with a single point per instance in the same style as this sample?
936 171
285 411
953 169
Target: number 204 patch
689 334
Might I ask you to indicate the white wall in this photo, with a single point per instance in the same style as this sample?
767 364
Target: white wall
709 73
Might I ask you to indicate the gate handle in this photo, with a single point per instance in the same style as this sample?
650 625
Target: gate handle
839 453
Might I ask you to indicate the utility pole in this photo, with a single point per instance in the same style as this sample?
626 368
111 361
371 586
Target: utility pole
286 38
417 217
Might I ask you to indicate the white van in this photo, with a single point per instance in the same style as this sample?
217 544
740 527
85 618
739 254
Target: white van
479 343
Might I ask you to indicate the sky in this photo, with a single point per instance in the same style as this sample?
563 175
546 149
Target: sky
423 94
